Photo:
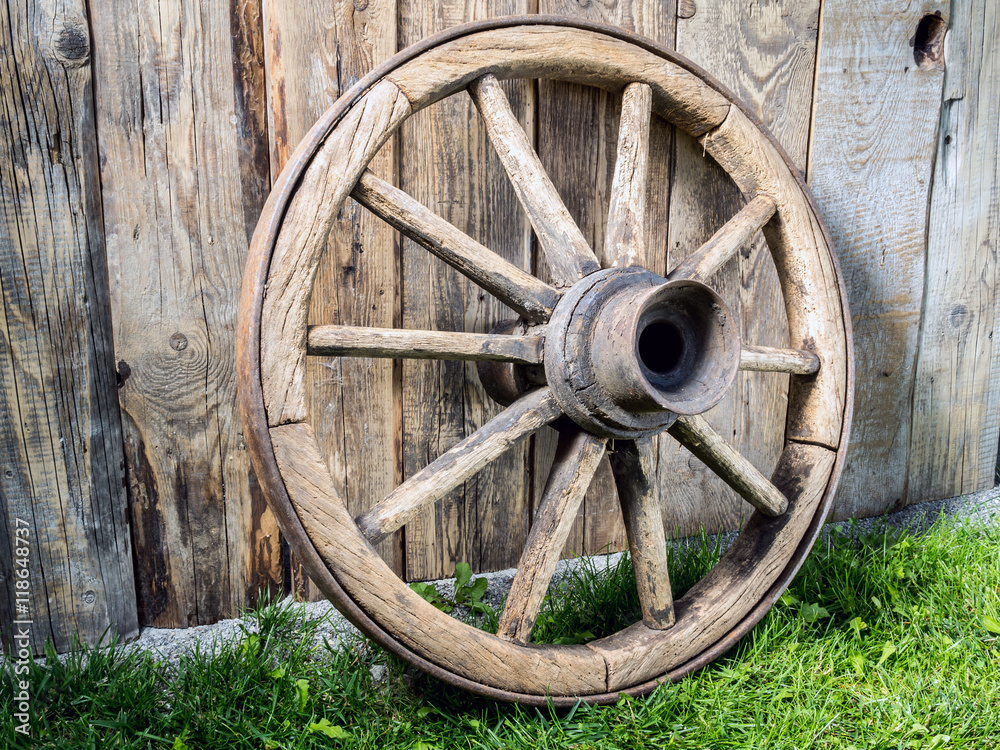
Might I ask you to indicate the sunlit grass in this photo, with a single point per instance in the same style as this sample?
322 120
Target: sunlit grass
884 641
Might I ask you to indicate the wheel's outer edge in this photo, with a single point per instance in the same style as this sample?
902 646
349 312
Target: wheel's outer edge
251 399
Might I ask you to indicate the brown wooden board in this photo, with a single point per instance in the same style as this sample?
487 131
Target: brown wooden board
870 168
577 139
448 164
315 52
179 92
64 532
956 389
765 54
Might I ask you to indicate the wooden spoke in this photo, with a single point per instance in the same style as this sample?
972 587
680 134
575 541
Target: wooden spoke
531 297
634 467
533 410
770 359
577 457
695 434
711 256
625 238
359 341
567 252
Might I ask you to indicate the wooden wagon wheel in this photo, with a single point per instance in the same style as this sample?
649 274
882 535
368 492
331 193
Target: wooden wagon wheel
616 353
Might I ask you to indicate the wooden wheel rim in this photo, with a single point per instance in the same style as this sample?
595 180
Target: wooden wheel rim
292 472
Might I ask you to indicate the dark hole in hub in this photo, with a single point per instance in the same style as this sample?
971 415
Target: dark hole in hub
661 347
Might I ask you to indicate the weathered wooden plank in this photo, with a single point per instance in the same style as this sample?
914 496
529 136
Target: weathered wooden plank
364 341
459 463
63 514
315 52
872 151
448 164
578 455
956 390
765 54
577 137
524 293
180 112
634 464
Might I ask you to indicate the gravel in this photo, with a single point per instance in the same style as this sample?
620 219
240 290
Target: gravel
169 644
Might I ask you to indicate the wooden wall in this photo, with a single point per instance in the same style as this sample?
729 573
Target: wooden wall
60 429
139 144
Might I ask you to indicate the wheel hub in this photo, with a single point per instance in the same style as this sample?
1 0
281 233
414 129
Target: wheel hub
627 351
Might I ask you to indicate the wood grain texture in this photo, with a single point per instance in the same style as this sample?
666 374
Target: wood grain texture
179 116
773 359
363 341
299 247
448 164
634 464
765 54
314 53
565 54
453 467
563 670
810 284
723 597
567 254
63 512
695 434
525 294
578 455
625 236
702 264
577 136
956 390
873 190
727 603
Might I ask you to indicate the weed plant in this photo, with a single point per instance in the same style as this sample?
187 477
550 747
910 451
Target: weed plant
884 640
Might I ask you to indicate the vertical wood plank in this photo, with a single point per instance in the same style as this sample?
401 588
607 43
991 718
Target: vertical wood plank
314 53
872 152
180 118
447 163
765 54
61 481
956 402
577 141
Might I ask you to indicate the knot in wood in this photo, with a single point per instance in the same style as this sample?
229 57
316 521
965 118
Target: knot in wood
70 42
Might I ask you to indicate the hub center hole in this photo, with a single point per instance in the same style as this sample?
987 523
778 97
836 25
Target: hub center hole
661 347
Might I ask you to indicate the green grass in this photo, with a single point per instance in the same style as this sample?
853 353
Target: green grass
885 641
594 602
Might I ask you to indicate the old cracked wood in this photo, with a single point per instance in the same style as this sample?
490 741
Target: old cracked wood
674 636
63 504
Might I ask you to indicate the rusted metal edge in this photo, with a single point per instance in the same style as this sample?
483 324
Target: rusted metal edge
251 397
